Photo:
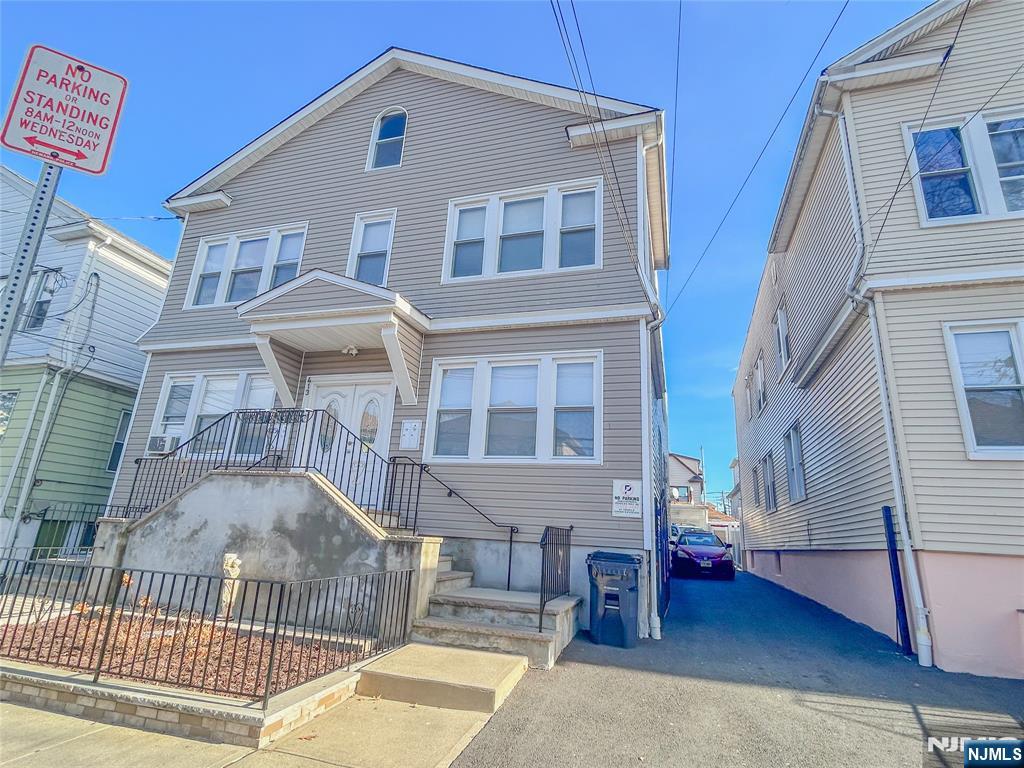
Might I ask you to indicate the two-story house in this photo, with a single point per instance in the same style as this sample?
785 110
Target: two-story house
456 265
883 363
73 369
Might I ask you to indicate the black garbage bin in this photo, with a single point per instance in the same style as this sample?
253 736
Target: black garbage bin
614 577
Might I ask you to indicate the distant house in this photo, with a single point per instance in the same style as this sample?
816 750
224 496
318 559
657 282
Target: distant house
686 478
69 382
884 361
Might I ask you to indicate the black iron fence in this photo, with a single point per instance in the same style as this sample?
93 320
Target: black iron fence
555 565
64 530
249 638
291 439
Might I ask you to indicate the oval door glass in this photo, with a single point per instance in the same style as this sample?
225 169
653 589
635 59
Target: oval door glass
328 426
369 422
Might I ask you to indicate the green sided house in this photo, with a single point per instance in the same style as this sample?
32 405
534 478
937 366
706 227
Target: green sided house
69 382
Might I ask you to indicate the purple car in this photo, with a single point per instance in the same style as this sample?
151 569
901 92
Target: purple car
702 553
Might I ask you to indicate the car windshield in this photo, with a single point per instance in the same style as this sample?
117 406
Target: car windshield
702 540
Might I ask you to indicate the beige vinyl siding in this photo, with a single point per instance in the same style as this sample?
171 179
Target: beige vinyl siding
846 465
315 296
161 364
460 141
290 361
987 52
534 495
812 274
960 504
338 363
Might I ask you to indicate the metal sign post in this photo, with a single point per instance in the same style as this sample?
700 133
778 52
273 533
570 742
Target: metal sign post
64 111
25 256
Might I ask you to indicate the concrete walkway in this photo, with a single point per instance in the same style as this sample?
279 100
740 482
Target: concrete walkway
749 675
359 733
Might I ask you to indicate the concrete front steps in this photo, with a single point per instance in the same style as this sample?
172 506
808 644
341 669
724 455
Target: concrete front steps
464 616
450 678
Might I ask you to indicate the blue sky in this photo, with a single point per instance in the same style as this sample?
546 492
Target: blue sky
205 78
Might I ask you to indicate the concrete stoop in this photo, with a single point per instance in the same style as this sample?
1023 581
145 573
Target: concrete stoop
498 620
450 678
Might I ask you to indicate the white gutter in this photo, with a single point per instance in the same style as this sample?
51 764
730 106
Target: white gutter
922 635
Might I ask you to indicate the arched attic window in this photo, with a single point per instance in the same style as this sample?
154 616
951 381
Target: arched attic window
388 139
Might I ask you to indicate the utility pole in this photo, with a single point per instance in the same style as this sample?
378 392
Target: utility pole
25 257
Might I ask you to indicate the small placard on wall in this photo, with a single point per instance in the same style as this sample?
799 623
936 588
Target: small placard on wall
410 439
626 498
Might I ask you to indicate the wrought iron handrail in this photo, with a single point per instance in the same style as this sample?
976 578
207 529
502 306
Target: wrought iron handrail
512 529
288 439
555 566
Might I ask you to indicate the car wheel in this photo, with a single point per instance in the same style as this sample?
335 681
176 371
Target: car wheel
731 575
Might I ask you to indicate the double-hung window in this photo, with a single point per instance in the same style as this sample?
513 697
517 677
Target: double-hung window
522 235
370 253
7 401
120 435
511 408
468 248
782 337
512 411
987 374
1007 139
538 230
768 473
947 183
756 475
454 412
234 268
191 403
759 382
574 409
969 170
795 465
388 140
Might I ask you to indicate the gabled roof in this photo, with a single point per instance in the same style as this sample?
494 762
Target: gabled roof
877 62
392 59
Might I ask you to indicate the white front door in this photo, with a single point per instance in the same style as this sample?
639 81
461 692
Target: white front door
354 458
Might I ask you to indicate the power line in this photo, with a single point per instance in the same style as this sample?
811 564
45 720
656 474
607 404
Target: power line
599 142
98 218
757 160
913 147
675 131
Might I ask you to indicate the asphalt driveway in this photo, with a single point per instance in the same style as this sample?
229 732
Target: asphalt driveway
748 674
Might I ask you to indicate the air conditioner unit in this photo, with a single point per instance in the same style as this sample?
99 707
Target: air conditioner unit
162 443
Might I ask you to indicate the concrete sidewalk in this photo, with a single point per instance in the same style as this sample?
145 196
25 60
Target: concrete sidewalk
359 733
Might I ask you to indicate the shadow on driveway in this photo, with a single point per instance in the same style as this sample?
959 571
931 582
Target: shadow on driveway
750 673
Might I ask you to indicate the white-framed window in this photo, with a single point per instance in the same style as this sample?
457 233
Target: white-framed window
968 171
795 465
782 337
516 409
768 473
370 253
759 382
39 298
555 228
986 365
7 401
233 268
755 473
117 447
387 142
192 402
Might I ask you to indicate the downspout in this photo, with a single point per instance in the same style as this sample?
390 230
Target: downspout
923 636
